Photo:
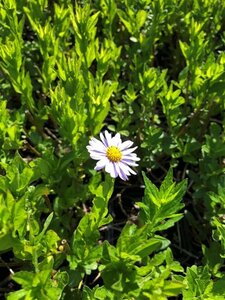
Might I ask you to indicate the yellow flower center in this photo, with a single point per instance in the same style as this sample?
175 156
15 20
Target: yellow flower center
113 153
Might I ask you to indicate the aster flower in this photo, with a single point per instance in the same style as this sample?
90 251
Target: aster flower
113 155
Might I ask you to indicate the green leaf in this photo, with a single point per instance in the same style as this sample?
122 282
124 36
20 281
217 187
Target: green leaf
21 294
133 242
45 227
160 206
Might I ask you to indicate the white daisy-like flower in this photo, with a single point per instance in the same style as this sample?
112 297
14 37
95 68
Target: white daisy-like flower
113 155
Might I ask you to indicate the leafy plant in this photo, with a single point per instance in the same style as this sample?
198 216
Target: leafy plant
152 71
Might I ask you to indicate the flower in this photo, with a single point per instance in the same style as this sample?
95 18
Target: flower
113 155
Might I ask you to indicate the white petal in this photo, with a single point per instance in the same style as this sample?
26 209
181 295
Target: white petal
108 137
127 170
94 140
129 162
125 145
116 140
97 156
131 157
95 149
123 168
110 168
128 151
104 140
122 175
101 164
96 144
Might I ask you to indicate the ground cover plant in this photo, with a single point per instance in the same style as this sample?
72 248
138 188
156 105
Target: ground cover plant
84 219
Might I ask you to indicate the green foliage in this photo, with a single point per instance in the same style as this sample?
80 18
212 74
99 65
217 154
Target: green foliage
159 209
152 71
42 284
85 251
201 286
